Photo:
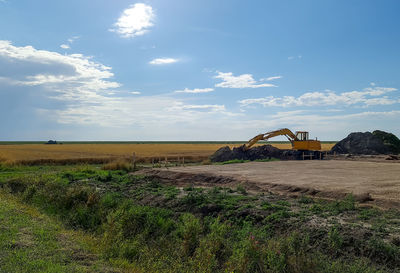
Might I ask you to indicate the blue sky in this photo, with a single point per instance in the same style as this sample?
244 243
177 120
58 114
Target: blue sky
197 70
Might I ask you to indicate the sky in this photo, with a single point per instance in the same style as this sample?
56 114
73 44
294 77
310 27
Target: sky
197 70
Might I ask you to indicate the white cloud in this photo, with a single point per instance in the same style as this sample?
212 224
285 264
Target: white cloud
73 39
64 46
85 93
302 116
70 42
271 78
135 21
208 70
67 77
336 126
241 81
150 112
196 109
213 107
81 96
322 124
147 47
196 90
327 98
380 101
295 57
160 61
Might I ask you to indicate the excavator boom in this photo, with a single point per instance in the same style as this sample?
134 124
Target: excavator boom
281 132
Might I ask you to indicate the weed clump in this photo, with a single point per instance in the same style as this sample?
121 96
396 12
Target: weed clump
335 207
120 164
241 189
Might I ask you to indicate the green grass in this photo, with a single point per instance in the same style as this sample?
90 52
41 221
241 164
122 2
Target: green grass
138 222
233 161
323 207
267 160
32 242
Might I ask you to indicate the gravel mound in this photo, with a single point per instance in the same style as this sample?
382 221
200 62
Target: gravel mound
361 144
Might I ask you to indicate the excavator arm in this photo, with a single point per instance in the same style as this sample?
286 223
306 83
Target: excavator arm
282 132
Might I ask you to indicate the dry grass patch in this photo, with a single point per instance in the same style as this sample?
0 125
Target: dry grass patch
119 164
37 154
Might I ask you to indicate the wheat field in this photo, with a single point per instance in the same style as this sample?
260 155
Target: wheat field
26 152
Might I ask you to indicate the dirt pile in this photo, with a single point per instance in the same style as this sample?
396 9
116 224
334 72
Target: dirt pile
222 154
391 141
258 152
368 143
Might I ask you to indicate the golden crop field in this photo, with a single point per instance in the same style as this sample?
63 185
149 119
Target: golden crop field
73 151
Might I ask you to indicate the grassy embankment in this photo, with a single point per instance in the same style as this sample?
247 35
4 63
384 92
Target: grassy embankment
33 242
139 222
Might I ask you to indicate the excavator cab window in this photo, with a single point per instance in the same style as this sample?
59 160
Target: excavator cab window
302 136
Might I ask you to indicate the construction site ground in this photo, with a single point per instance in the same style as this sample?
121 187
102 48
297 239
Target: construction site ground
374 183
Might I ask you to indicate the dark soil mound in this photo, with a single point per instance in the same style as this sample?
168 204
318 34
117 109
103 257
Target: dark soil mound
361 144
391 141
222 154
258 152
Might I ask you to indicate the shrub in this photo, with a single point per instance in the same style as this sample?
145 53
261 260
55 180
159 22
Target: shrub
120 164
368 213
386 252
132 220
189 230
336 207
110 201
214 248
194 199
305 200
335 239
16 185
241 189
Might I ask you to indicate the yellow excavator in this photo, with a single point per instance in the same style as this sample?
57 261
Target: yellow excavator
299 140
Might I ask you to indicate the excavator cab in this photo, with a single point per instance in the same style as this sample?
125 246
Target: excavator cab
303 143
302 135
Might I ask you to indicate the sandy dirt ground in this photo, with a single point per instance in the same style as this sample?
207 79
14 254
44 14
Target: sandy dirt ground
327 178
